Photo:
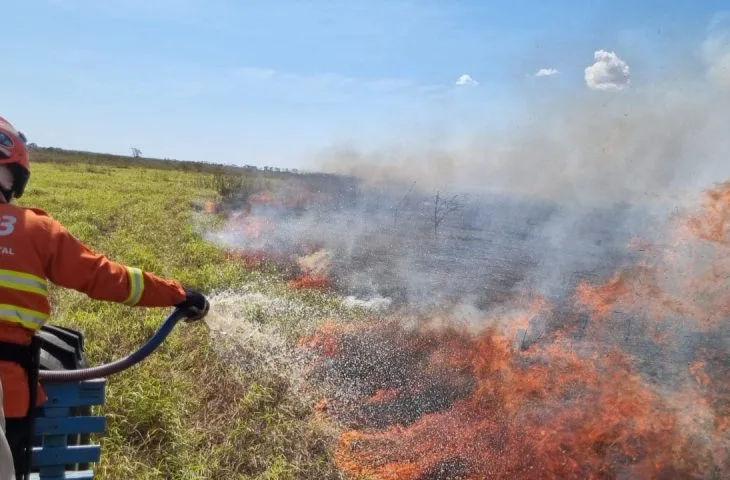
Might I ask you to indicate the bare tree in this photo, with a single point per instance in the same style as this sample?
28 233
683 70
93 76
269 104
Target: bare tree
136 152
443 207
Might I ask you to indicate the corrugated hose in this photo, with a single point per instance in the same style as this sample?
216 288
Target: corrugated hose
117 365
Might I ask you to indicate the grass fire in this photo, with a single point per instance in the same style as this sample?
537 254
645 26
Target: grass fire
474 371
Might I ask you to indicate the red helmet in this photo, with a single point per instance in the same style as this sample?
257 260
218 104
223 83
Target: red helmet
14 154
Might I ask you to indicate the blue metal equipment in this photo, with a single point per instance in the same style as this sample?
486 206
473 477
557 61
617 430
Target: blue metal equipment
64 423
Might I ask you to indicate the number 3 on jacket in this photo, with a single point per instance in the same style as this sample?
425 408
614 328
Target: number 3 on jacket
7 224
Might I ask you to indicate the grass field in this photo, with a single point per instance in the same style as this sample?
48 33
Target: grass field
188 411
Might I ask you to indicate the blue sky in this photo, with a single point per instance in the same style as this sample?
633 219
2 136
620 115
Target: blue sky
273 83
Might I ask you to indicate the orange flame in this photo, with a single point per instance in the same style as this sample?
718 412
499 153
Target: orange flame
713 222
311 281
545 412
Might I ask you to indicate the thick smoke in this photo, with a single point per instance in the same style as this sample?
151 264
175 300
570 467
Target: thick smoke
635 145
394 246
537 206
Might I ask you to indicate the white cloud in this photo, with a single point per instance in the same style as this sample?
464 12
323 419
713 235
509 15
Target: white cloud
546 72
466 80
608 73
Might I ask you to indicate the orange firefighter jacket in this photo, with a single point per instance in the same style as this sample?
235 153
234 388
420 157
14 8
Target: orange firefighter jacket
36 249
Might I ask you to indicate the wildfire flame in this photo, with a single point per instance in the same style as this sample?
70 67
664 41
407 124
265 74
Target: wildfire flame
310 263
549 411
315 270
610 399
629 378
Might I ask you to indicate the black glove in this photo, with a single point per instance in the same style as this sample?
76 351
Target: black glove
195 305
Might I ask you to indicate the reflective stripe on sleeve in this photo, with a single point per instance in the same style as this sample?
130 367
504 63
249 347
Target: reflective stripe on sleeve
23 281
136 286
26 317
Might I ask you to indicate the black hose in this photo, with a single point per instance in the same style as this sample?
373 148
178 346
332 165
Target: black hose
118 365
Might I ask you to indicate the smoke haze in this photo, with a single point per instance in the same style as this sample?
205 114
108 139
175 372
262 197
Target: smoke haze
614 140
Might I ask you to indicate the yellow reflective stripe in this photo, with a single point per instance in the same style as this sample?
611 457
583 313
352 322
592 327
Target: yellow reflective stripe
23 281
21 287
22 275
136 286
26 317
25 287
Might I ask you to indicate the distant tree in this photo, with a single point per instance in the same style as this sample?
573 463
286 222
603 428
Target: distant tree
136 152
443 207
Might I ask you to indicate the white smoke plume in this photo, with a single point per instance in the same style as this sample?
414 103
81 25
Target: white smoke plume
376 304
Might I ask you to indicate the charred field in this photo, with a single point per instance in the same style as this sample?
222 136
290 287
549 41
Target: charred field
424 250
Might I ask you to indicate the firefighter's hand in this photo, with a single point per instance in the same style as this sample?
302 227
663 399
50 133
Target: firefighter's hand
195 305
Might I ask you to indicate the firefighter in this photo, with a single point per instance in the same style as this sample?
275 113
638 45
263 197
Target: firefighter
36 249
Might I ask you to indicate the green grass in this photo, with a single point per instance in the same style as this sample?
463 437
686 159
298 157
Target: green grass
187 412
